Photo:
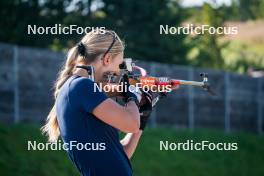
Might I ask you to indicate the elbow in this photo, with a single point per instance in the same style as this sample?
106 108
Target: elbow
135 128
130 122
132 125
131 129
135 124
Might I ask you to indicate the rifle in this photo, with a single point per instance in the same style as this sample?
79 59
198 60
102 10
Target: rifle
136 75
129 69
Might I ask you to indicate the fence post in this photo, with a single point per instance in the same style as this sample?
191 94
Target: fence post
227 103
260 106
190 101
153 119
16 88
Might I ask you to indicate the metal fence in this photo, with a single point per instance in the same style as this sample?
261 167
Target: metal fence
27 75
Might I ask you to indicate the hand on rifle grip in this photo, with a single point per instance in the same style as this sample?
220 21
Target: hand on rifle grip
145 109
130 92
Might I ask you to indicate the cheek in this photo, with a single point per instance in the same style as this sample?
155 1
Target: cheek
116 66
112 67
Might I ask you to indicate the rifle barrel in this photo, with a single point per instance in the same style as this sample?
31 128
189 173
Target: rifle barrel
190 83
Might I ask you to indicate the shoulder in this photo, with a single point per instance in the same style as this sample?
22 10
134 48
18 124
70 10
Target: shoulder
81 83
83 93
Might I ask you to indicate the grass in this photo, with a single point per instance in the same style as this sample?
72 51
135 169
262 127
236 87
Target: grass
247 160
148 160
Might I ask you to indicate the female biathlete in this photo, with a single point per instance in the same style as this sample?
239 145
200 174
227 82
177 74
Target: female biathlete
84 115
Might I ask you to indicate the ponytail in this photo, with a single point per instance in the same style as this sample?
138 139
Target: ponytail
51 128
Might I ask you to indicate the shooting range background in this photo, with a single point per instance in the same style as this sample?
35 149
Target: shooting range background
29 64
27 76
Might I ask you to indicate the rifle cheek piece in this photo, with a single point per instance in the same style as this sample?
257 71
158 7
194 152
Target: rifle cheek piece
89 69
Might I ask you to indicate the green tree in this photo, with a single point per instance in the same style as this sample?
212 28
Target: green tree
209 50
251 9
139 22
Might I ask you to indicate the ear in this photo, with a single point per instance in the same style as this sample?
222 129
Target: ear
106 59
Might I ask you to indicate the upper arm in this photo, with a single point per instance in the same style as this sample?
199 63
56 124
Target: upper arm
117 116
92 100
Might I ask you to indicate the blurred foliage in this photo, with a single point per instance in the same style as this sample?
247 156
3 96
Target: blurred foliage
241 10
241 56
137 22
207 47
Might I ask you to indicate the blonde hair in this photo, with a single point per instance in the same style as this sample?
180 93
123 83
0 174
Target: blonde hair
96 44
